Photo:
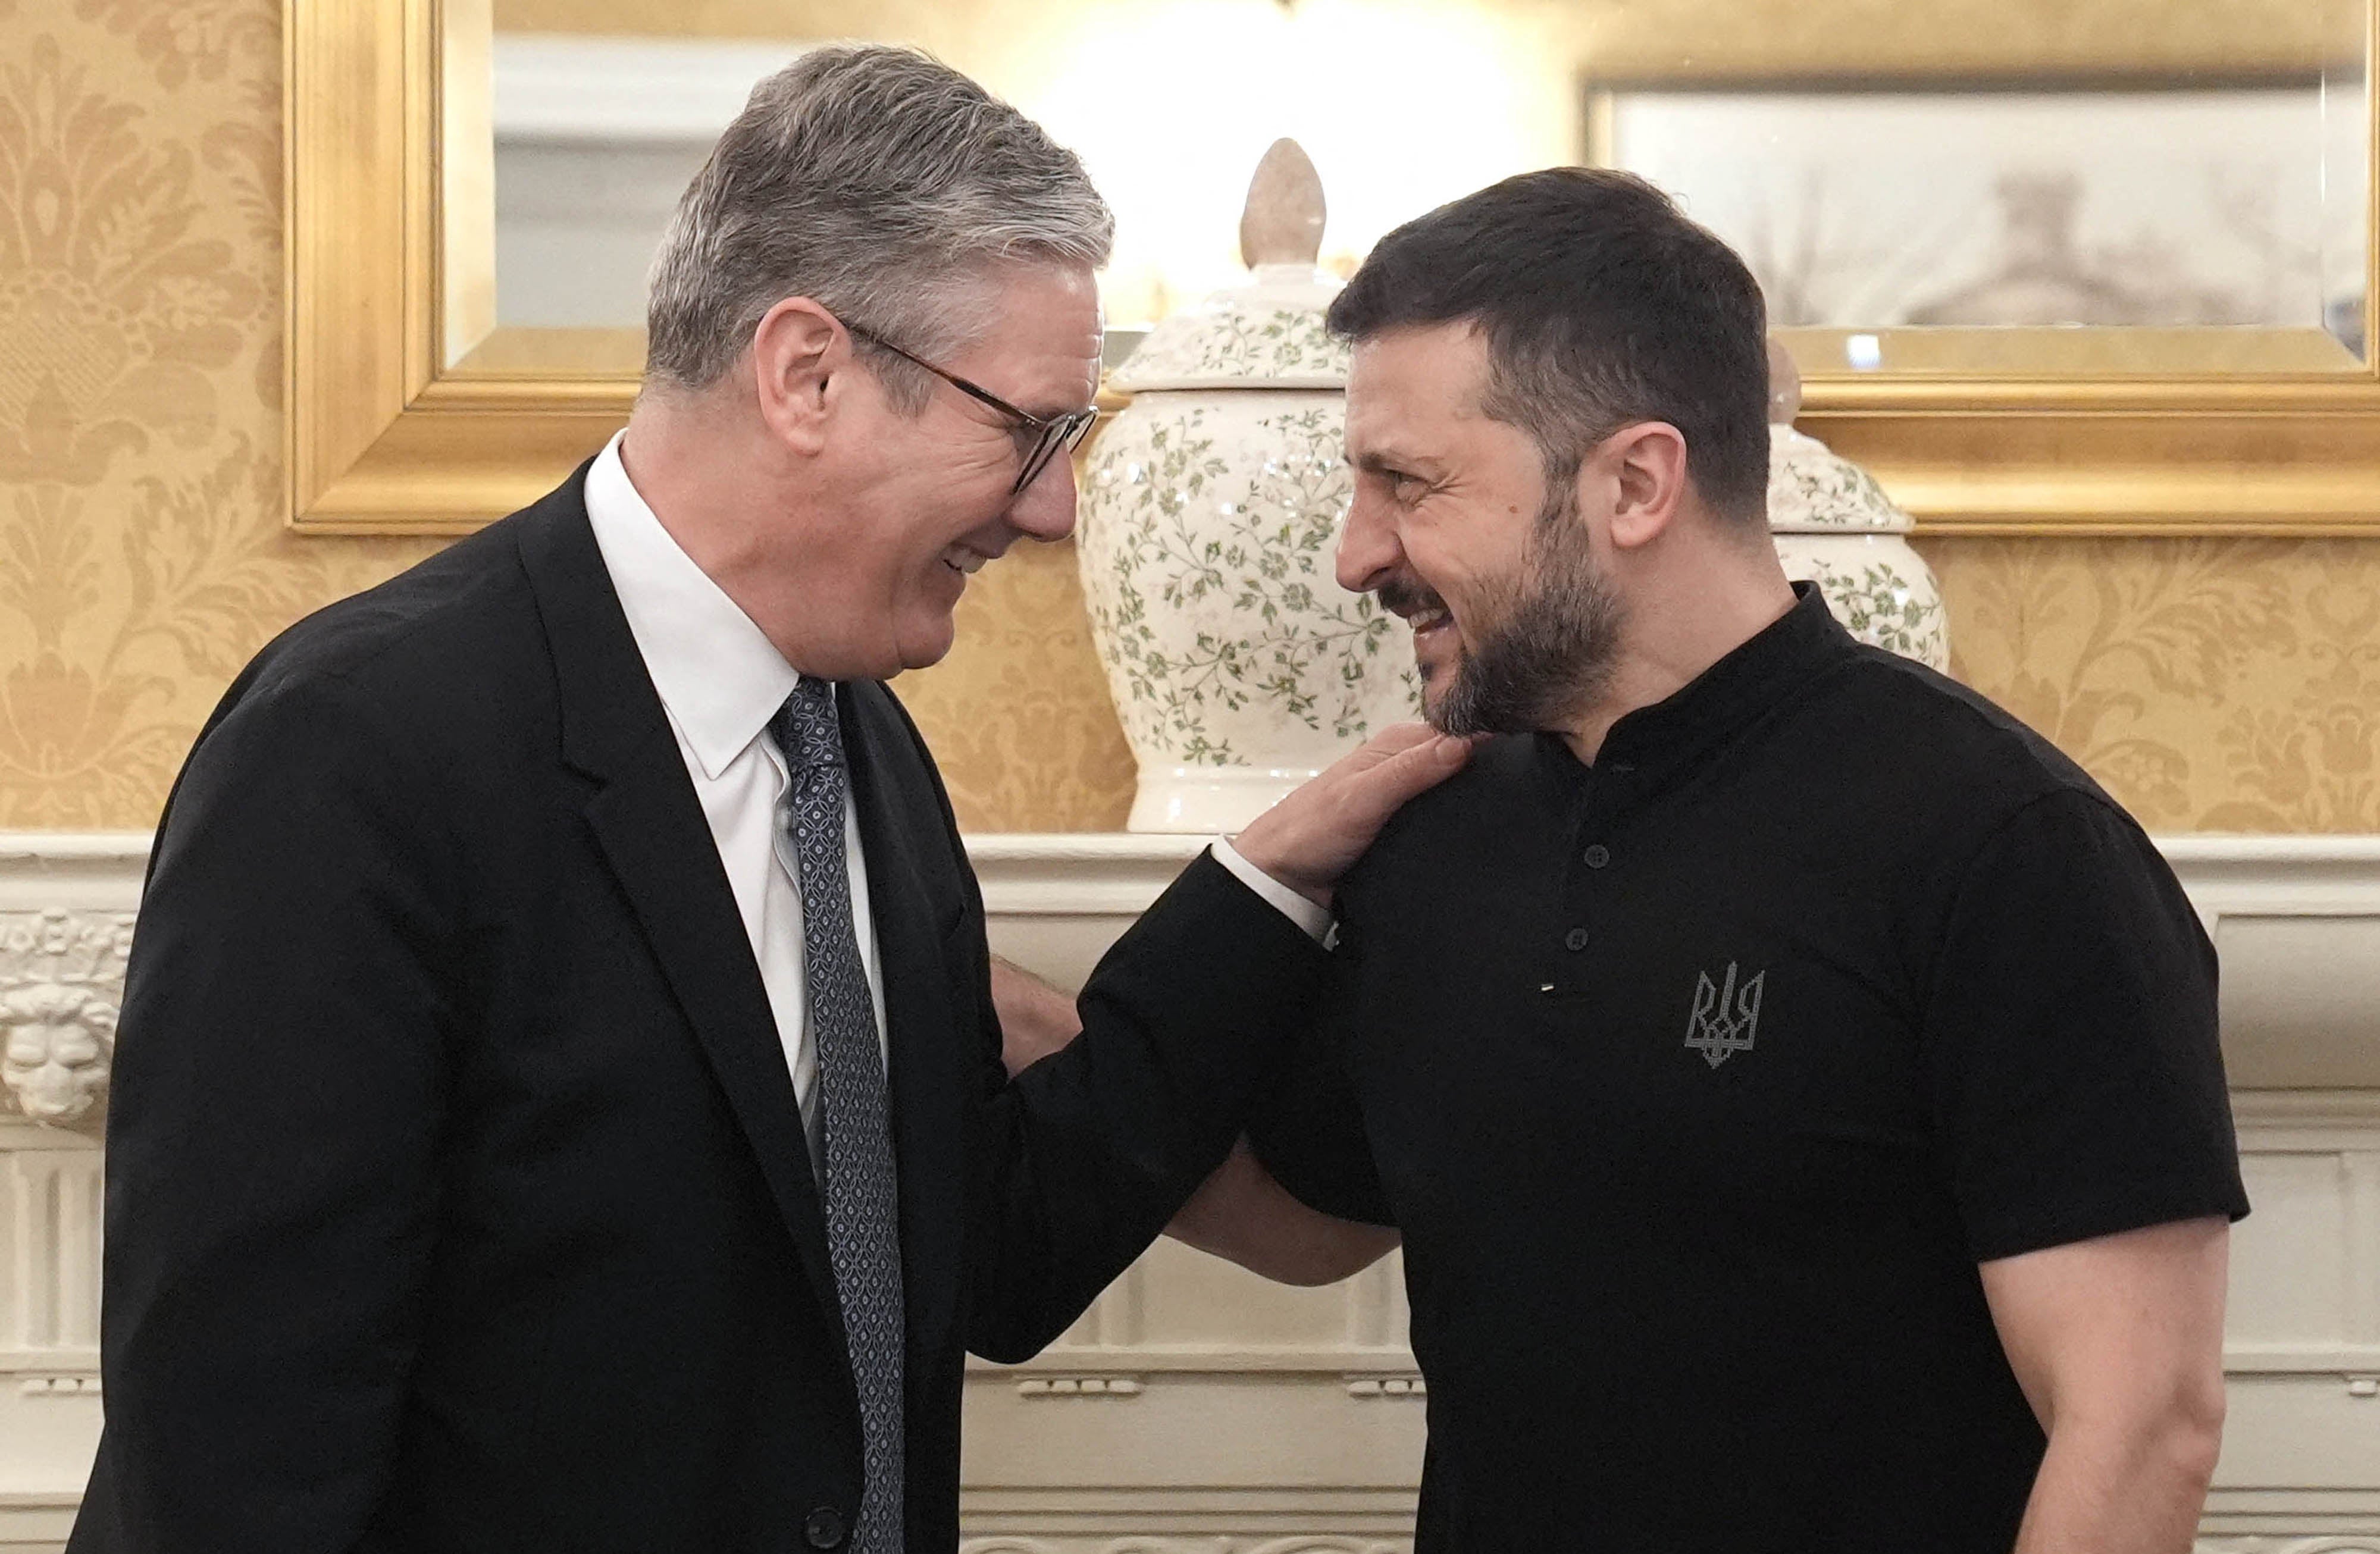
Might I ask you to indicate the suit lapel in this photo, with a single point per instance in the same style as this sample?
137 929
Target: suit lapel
928 1063
653 834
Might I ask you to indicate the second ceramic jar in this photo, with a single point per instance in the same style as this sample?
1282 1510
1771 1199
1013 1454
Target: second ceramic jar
1833 525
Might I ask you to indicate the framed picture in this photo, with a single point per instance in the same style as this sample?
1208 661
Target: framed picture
2070 267
1881 203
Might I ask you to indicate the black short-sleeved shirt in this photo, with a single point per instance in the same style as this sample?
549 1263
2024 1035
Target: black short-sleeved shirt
1699 1082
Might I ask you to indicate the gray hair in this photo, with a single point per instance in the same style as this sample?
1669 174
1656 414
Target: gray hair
884 186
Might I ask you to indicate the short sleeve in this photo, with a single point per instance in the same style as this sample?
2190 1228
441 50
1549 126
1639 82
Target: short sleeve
2070 1038
1310 1132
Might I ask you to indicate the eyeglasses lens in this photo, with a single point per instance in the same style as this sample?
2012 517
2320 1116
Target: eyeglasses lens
1064 434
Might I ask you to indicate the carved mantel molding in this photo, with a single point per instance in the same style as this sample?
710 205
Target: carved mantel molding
2296 918
66 904
1199 1543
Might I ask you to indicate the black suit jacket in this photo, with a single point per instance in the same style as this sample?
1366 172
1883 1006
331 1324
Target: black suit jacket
457 1194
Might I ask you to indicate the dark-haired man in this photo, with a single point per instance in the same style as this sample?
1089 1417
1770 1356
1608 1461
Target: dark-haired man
1794 1083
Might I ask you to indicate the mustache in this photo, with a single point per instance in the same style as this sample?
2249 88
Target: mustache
1407 596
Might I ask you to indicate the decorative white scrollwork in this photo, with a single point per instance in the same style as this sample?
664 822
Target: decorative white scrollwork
1078 1386
61 981
1340 1543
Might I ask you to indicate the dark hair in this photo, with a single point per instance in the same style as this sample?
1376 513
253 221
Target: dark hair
1601 305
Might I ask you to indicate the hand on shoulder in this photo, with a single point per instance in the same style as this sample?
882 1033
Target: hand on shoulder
1315 834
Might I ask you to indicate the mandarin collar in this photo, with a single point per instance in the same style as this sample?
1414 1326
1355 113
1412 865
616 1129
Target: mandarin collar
716 672
1732 693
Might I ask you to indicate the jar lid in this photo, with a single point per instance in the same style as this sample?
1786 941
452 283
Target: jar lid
1266 332
1814 490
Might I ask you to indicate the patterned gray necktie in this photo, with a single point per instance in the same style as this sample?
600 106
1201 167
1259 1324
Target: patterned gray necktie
862 1226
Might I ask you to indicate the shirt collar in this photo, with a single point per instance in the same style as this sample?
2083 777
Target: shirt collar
1734 692
720 677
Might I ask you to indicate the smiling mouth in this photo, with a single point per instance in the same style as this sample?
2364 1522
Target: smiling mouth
966 562
1430 629
1420 609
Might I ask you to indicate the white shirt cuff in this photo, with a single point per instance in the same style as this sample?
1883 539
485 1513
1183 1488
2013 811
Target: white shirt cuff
1315 920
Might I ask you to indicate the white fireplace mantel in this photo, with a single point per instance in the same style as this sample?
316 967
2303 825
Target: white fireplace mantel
1196 1409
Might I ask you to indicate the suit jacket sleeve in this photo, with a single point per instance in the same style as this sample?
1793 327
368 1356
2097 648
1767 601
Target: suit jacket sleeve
1080 1160
1184 1023
271 1190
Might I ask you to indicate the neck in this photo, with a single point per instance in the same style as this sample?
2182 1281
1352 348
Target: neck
722 489
1685 612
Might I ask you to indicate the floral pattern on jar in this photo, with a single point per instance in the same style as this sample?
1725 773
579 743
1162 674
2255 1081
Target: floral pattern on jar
1209 530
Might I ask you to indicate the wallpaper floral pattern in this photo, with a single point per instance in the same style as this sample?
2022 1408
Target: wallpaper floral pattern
2213 684
1018 715
141 554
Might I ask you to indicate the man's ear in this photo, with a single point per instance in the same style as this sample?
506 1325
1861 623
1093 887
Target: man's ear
1646 463
799 357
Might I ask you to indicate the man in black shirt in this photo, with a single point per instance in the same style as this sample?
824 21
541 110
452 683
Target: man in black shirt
1794 1082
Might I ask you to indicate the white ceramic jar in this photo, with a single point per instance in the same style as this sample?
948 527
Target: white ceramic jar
1209 524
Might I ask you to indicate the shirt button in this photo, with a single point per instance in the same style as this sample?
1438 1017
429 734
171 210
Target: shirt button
1597 855
823 1529
1574 940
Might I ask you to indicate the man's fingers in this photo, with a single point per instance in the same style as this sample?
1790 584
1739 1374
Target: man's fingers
1421 764
1399 738
1395 740
1307 840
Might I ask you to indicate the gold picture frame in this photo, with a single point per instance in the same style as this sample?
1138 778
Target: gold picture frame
410 412
393 425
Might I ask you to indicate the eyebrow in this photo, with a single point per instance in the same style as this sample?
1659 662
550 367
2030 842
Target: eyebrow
1052 411
1389 461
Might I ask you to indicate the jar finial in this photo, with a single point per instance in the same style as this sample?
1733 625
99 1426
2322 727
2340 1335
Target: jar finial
1282 220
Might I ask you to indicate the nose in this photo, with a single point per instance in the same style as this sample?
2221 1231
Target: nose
1046 508
1369 550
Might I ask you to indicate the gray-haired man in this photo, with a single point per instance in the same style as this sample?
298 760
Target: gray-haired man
560 1102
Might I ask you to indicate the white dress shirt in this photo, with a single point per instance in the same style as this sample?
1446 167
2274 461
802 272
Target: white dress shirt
720 681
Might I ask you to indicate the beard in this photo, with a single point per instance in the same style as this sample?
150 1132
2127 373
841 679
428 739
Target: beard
1551 639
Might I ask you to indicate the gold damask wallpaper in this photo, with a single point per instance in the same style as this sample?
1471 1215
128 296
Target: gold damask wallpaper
2217 685
141 554
2212 685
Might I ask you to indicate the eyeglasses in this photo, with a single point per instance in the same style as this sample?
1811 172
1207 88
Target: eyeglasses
1050 433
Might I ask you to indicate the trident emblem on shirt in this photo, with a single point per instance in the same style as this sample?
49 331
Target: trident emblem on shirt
1724 1016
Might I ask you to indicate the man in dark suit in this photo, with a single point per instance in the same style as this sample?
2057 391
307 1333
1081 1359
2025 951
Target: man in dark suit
560 1102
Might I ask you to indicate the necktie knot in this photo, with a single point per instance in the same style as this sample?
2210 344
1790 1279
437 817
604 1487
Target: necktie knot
806 729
